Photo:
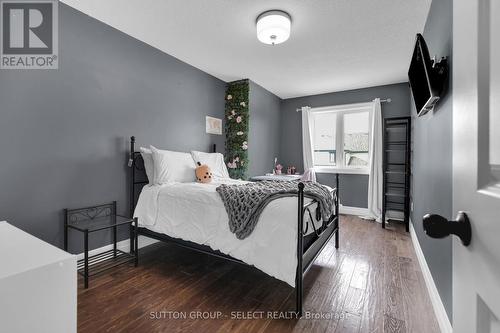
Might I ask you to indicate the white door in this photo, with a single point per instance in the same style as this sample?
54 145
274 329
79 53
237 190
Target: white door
476 163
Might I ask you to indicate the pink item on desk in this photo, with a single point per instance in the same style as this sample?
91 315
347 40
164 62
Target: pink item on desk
278 169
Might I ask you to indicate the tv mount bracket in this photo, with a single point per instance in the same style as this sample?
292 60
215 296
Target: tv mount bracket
439 65
440 71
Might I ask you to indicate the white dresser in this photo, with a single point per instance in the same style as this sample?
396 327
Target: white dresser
38 284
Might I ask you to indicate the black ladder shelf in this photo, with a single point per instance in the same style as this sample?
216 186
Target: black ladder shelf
396 166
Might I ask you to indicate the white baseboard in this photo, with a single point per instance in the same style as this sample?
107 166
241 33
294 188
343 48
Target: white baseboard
123 245
437 304
358 211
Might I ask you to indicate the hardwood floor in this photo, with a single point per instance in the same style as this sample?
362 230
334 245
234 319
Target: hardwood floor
372 283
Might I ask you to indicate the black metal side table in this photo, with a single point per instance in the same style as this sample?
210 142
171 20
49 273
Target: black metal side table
97 218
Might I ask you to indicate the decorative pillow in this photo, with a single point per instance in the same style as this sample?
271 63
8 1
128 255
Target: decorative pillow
172 166
215 161
203 173
147 157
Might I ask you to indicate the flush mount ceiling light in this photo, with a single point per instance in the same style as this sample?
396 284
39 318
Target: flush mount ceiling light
273 27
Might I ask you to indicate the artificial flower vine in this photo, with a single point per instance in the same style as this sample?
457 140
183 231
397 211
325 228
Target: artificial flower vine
237 125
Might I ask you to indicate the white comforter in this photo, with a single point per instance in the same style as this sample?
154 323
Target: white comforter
195 212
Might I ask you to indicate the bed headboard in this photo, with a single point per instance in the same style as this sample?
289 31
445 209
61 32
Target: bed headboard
137 176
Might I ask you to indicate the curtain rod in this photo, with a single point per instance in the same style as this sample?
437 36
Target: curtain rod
387 100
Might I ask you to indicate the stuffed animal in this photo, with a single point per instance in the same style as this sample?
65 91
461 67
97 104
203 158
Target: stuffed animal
203 173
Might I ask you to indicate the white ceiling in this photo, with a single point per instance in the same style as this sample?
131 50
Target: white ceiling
334 45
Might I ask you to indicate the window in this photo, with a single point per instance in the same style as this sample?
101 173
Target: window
341 137
325 128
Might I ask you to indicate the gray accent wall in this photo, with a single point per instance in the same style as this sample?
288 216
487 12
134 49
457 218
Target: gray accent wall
264 131
353 188
432 158
64 133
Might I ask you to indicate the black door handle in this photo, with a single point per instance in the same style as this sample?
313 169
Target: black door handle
436 226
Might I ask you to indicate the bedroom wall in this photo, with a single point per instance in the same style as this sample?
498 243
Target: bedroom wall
64 133
263 141
353 188
432 158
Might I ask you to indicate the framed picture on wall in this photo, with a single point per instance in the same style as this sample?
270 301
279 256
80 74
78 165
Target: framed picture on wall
213 125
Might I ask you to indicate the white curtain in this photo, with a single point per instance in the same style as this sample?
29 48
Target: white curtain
375 180
308 144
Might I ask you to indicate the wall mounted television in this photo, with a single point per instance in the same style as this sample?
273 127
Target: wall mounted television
426 77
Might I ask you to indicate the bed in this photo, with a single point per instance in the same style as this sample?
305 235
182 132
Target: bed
193 215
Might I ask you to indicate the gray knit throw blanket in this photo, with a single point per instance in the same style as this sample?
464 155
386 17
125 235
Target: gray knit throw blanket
244 203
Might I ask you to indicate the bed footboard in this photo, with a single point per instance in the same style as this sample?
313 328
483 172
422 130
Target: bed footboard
307 254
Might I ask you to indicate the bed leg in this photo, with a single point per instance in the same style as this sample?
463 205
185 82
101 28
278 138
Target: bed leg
132 238
298 305
337 237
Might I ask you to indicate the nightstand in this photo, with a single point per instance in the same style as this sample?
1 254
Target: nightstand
93 219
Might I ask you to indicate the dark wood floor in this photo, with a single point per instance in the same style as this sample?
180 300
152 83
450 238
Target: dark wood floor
371 284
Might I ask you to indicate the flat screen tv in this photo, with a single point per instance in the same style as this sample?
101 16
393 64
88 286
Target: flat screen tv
421 76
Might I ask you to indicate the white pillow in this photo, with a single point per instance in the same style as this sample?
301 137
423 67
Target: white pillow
172 166
147 157
215 162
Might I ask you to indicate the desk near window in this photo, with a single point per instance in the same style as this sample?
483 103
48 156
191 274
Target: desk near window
271 176
345 170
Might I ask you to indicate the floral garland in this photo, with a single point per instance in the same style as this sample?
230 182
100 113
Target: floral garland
237 119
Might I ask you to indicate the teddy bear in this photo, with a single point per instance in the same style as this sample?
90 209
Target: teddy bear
203 173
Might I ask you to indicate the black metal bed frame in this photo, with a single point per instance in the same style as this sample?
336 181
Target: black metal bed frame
308 246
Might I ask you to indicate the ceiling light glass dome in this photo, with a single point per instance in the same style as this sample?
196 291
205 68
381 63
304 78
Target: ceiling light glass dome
273 27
